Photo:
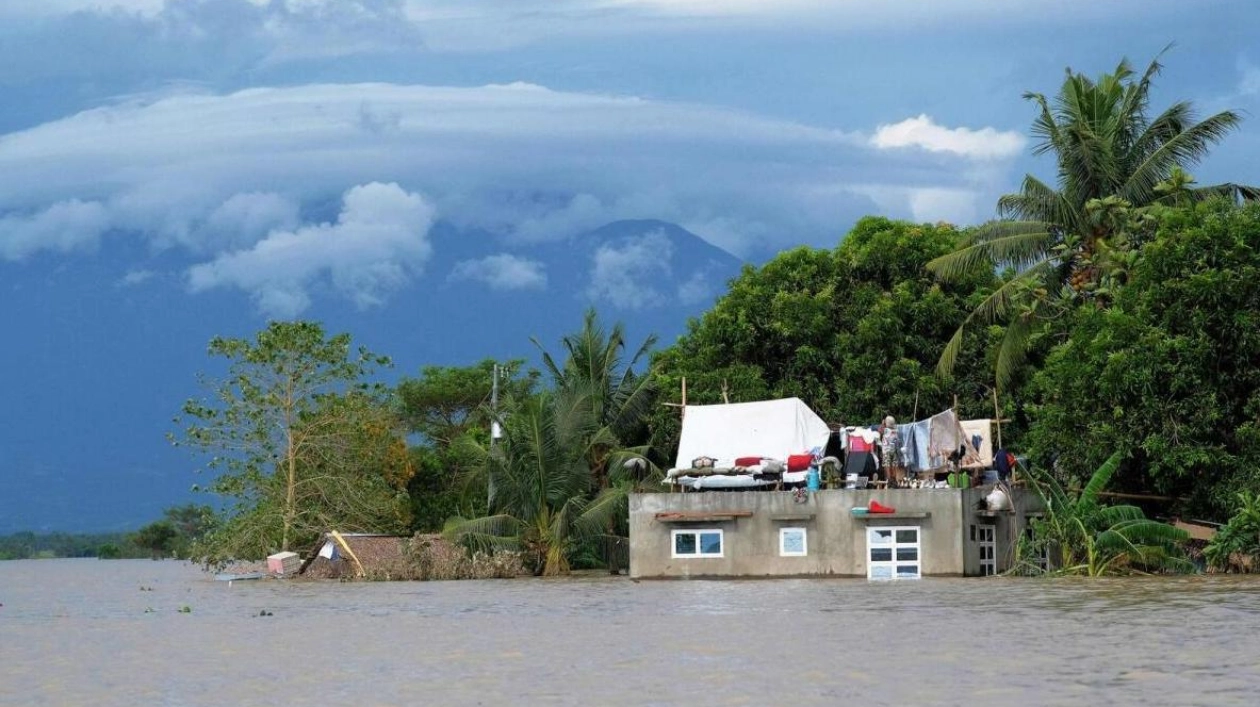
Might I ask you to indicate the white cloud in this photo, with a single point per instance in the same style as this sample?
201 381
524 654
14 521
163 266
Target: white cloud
62 227
503 271
922 132
136 277
379 241
625 276
216 174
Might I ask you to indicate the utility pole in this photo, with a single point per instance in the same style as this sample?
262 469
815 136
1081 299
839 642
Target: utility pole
496 430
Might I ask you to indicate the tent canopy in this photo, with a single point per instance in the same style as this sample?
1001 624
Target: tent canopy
769 428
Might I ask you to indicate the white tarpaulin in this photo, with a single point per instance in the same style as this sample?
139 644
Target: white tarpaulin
770 428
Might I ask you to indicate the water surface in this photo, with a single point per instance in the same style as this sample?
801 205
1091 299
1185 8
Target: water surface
89 632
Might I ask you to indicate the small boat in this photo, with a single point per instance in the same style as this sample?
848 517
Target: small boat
230 577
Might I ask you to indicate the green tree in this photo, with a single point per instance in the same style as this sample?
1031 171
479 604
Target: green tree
597 380
1063 242
854 332
158 538
1083 536
446 402
274 411
1169 375
539 486
441 405
1237 543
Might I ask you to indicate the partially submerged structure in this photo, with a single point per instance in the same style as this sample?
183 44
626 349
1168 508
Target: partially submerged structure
807 508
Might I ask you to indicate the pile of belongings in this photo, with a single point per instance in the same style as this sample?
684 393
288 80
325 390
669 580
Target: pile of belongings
748 445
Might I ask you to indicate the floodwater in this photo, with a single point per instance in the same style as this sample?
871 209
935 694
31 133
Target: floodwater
90 632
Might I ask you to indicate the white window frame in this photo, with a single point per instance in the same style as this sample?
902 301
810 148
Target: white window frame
783 534
986 539
699 553
888 569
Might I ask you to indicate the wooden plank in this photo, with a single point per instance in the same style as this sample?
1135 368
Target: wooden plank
1196 531
700 516
792 516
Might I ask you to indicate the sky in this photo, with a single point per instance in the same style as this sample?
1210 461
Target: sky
171 170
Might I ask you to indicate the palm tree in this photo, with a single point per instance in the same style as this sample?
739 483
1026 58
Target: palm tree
1083 536
538 481
1113 162
597 381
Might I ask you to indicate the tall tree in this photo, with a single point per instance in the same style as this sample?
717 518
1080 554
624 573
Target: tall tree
600 381
597 381
1063 241
853 331
441 405
273 412
539 485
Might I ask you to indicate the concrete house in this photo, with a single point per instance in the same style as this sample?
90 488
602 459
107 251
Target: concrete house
765 522
941 532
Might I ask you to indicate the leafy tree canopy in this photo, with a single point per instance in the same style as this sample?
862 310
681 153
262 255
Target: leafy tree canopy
854 331
1170 374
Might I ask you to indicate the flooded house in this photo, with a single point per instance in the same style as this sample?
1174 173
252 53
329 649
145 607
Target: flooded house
770 489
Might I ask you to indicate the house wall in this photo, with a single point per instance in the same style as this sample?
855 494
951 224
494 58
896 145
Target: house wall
836 538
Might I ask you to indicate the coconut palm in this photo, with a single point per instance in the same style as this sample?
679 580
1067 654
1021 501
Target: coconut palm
1063 242
599 383
1083 536
539 484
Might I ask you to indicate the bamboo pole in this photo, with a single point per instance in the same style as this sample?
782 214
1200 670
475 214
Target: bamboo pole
997 418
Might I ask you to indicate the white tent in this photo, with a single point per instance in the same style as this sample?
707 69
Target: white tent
769 428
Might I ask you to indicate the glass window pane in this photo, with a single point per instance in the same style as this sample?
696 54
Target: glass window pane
881 572
910 535
908 553
711 543
907 570
880 537
881 554
792 541
685 544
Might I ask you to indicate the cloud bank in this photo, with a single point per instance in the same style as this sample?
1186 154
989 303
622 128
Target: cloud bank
248 183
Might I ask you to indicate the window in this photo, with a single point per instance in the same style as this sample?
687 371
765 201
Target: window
697 543
893 553
988 563
793 542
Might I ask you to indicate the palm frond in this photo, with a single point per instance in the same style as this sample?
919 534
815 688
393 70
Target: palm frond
1183 149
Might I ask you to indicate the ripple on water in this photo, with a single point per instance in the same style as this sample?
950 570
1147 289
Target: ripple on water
86 632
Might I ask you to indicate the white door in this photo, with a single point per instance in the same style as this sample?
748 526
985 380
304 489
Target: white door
893 553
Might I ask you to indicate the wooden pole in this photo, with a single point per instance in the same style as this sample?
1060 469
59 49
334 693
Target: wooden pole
725 398
997 418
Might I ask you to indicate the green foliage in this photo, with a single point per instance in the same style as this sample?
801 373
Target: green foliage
854 332
1237 543
176 533
29 545
557 481
1170 374
539 486
109 551
442 405
297 439
1068 241
1083 536
446 402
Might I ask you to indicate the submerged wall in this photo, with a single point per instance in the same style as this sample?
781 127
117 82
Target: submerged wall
836 539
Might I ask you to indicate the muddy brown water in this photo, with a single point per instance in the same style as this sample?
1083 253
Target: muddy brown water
89 632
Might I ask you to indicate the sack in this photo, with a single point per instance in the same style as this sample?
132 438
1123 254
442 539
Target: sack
997 500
